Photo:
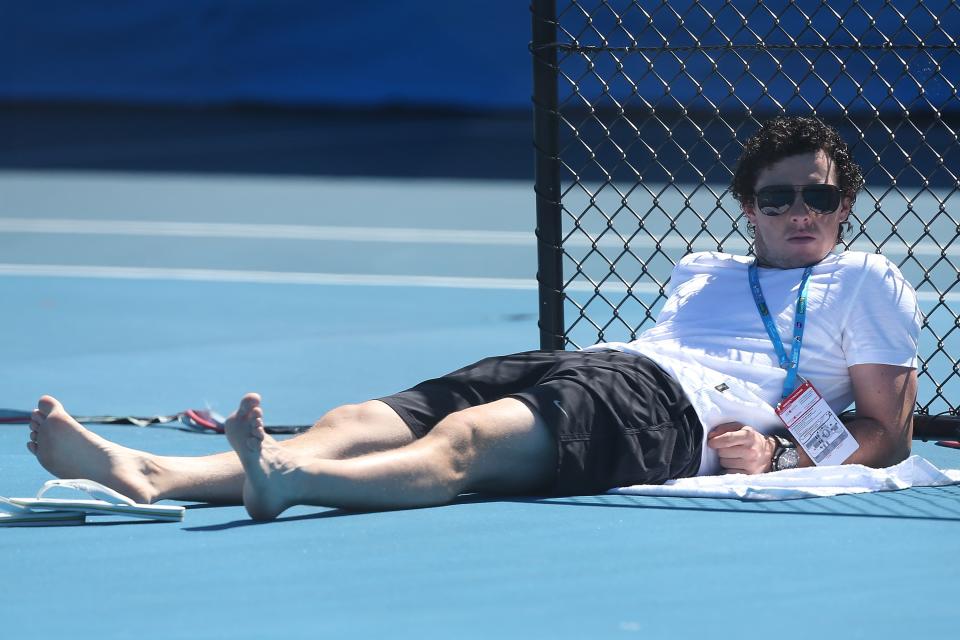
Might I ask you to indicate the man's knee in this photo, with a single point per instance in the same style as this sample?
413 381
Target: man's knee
339 417
350 415
356 429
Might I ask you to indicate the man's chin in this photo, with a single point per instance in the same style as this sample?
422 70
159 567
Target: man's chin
797 258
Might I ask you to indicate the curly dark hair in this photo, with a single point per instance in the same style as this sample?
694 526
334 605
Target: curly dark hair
786 136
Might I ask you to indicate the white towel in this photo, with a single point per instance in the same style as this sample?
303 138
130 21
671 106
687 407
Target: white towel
809 482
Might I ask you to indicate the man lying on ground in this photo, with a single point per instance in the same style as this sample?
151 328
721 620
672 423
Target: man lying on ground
697 394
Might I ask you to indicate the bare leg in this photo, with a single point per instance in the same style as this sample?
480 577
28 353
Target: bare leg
502 447
68 450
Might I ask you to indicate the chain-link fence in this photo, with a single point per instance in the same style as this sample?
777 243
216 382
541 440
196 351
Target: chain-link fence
640 111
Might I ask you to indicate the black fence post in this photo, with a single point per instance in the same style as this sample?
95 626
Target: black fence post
547 174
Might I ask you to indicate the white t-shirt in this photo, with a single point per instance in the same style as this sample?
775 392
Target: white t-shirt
710 338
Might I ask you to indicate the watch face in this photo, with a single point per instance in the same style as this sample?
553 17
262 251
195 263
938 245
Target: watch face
788 459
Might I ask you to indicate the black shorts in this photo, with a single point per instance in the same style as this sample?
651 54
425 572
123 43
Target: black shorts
618 418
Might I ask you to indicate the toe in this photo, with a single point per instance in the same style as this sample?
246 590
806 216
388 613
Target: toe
47 404
248 403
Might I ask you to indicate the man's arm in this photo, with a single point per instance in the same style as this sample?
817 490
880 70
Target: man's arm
885 396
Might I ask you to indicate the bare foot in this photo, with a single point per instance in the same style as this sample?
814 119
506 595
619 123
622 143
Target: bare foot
266 464
68 450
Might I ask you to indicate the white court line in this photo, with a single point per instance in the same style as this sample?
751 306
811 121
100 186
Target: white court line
260 277
291 277
408 235
311 278
264 231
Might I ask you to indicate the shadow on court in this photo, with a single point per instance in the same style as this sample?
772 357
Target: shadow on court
235 524
940 504
261 140
402 142
937 504
333 513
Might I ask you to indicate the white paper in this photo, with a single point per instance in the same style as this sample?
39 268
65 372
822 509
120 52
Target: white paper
816 428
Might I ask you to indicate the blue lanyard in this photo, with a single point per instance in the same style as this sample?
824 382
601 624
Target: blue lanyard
791 363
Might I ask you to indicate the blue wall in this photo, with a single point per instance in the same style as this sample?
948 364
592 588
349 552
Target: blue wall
369 52
460 53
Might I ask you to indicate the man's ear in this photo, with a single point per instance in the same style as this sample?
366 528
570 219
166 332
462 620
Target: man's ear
846 205
749 210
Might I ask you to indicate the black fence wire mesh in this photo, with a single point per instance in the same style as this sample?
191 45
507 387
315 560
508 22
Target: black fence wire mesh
640 110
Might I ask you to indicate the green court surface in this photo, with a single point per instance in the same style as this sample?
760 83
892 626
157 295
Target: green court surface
393 281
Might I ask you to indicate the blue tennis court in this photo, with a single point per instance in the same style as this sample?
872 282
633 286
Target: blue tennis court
151 317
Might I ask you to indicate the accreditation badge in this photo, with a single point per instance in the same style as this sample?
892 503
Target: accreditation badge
815 426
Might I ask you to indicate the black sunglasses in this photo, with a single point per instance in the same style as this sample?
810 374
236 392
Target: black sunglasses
778 198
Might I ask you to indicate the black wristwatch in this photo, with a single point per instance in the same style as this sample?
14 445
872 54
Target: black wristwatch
785 454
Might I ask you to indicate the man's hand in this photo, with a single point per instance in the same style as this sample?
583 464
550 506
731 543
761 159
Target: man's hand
742 449
885 397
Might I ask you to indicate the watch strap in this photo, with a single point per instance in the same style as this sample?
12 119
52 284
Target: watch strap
782 446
